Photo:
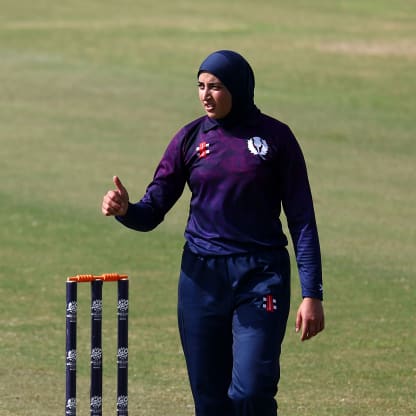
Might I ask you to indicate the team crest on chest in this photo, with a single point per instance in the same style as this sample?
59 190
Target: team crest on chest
258 146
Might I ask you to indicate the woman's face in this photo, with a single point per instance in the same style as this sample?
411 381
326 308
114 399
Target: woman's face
214 96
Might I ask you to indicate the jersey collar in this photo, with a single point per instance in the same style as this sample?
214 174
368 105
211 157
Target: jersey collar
210 123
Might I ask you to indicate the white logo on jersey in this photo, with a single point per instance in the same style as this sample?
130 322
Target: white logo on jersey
258 146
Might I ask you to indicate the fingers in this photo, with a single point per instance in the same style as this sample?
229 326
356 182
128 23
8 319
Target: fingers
112 204
298 324
310 330
115 202
306 332
310 318
305 328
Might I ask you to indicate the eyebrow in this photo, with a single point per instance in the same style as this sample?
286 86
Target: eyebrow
211 84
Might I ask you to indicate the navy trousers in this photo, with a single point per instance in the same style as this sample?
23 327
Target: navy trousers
232 315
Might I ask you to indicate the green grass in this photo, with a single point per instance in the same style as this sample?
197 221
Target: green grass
97 88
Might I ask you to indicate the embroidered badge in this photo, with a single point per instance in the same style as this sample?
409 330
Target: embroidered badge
269 303
202 150
258 146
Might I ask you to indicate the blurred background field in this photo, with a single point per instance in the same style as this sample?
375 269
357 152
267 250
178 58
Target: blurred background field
89 89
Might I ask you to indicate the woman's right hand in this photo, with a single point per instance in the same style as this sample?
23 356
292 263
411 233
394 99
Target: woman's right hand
116 201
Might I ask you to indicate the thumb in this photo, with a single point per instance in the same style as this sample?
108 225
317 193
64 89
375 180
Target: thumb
120 187
298 323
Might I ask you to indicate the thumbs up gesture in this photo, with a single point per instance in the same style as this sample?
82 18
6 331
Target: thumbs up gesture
116 201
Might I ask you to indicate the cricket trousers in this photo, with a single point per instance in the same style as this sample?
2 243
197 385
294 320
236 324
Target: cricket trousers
232 316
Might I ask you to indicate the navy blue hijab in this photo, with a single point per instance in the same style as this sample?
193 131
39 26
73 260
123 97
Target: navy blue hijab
237 75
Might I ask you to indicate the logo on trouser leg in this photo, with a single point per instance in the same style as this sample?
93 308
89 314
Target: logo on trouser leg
269 303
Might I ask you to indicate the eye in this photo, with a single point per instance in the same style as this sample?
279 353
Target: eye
217 87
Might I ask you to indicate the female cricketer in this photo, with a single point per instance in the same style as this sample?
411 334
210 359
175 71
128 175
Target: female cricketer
242 168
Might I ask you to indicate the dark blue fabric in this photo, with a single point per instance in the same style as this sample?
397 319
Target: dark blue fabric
231 342
237 75
236 195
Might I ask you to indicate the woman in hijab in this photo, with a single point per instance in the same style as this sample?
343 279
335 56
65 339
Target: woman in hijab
242 167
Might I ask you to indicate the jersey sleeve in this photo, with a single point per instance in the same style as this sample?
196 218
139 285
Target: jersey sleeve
165 189
299 210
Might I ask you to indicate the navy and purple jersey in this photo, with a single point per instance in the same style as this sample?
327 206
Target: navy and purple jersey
239 179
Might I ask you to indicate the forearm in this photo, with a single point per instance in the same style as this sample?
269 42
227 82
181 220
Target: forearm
141 217
308 258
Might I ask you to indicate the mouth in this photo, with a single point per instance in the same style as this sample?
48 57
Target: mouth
209 108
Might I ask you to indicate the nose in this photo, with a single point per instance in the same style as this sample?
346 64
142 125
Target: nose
204 93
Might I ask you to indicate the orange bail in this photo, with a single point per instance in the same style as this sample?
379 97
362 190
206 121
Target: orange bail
106 277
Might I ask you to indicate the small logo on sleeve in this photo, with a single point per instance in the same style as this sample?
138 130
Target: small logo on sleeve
202 150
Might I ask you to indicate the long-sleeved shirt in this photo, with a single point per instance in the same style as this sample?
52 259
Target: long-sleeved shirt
239 179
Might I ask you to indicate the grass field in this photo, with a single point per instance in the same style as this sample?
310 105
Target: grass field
90 89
